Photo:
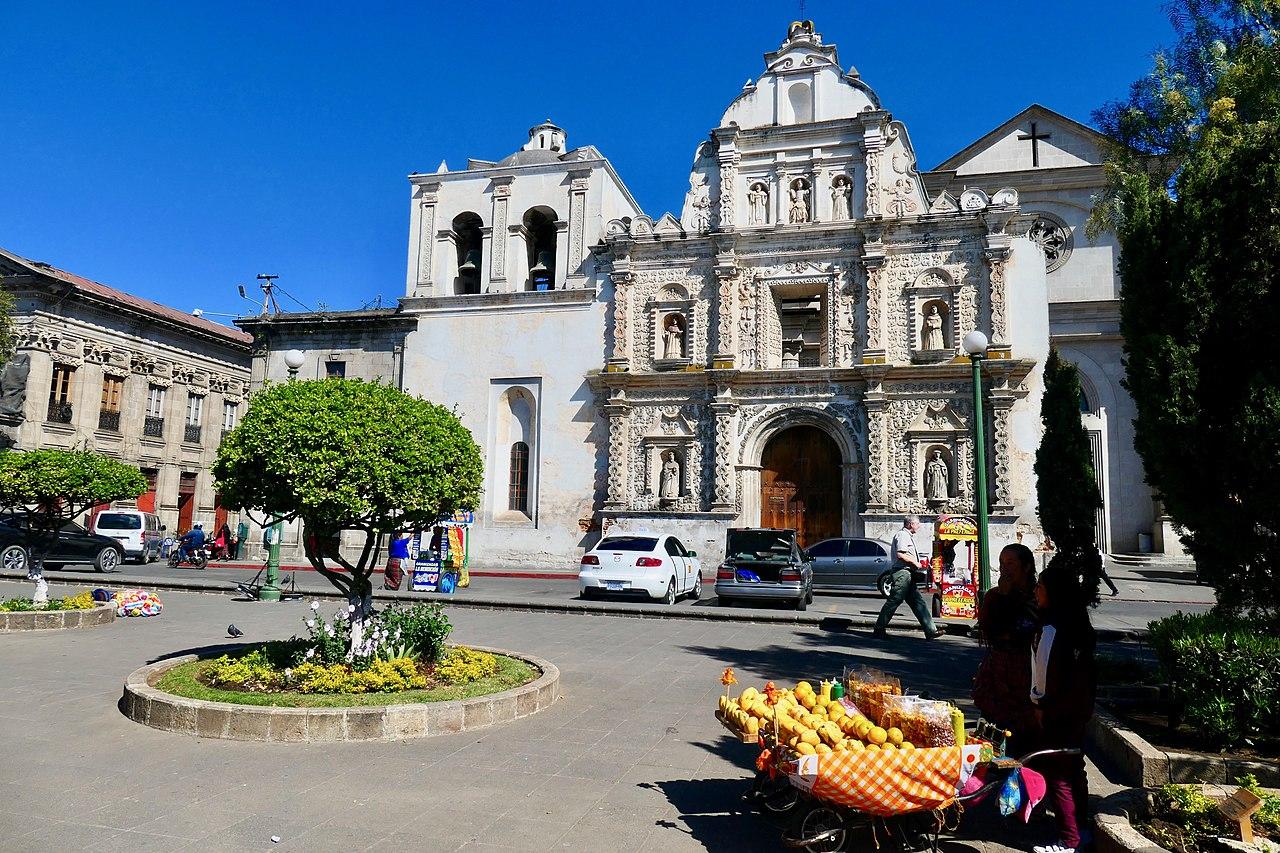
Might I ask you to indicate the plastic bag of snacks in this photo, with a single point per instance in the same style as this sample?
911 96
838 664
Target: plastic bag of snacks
137 602
924 722
868 688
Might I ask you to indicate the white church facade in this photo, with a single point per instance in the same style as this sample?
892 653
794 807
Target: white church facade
785 352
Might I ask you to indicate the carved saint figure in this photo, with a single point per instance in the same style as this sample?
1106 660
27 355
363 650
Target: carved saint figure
700 204
13 385
799 202
931 338
673 338
840 196
758 197
936 476
669 481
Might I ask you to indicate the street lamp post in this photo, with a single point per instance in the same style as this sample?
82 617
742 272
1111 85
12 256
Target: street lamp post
975 344
271 589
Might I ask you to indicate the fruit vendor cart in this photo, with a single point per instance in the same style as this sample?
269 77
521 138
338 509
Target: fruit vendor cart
953 567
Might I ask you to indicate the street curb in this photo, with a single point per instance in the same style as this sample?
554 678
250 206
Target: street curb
248 566
57 620
1114 824
157 709
583 608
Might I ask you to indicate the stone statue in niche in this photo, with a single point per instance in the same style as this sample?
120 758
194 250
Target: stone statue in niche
931 337
673 337
13 387
700 202
937 486
799 211
669 477
758 197
841 194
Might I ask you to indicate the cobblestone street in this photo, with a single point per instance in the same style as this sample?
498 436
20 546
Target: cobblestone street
630 759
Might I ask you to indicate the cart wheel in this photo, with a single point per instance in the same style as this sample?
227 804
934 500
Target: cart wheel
781 799
820 829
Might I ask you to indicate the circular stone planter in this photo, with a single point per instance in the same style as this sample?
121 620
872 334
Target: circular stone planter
57 620
145 704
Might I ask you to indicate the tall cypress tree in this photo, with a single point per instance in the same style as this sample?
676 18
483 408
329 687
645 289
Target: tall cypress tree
1065 480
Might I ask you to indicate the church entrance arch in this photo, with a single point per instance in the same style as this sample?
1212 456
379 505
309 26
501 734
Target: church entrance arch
800 484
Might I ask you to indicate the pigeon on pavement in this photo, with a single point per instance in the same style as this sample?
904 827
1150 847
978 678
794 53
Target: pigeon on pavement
233 631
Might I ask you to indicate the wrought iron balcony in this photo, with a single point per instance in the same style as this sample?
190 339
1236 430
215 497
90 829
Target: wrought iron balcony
192 434
60 413
153 427
109 421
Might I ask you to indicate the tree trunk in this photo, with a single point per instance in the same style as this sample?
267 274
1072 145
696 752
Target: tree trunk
361 599
35 572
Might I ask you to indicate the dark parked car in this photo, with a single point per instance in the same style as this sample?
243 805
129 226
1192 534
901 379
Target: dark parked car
850 564
74 545
764 564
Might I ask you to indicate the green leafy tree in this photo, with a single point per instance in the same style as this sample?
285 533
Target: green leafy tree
1200 264
341 454
42 490
1066 483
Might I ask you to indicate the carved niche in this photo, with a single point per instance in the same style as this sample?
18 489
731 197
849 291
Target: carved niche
938 447
931 314
664 436
670 315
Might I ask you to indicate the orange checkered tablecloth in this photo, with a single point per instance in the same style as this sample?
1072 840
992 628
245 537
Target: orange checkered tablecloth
887 783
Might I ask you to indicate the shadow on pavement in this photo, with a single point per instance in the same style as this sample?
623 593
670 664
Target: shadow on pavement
216 649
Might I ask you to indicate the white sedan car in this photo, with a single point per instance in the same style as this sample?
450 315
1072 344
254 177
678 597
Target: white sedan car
653 564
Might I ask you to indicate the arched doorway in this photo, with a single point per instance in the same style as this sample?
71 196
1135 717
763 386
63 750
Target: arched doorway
800 481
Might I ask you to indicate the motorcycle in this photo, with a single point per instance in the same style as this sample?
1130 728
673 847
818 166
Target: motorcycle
197 558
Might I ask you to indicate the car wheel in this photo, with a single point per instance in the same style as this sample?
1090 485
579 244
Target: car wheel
885 584
801 603
808 596
588 593
108 560
724 601
14 558
697 587
670 597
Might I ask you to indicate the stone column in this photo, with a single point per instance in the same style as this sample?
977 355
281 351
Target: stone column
878 468
618 413
621 358
873 259
580 182
873 145
725 412
1001 485
425 239
996 255
728 157
499 244
562 255
444 264
726 316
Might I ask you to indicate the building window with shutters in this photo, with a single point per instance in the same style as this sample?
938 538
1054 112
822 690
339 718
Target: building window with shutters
112 397
60 394
518 486
195 413
153 425
230 411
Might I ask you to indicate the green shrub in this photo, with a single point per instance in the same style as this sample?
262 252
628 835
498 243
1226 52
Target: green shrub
418 630
252 671
1222 673
382 676
463 665
83 601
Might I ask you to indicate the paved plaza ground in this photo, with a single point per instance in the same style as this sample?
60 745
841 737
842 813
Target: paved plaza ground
630 759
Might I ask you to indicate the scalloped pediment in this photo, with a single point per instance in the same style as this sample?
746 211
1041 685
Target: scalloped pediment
938 417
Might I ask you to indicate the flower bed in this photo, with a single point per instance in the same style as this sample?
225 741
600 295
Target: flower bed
1185 818
83 601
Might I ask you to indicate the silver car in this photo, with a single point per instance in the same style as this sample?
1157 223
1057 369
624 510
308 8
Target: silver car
854 564
764 564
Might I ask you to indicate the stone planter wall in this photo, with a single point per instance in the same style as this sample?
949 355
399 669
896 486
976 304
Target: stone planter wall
57 620
145 704
1144 765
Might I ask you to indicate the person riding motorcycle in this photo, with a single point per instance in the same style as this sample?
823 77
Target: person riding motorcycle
192 540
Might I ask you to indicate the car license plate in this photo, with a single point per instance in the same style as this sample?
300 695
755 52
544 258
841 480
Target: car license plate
613 586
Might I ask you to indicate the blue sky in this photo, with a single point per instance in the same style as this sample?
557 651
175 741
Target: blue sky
177 149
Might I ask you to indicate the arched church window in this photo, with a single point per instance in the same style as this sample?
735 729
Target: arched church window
469 242
518 482
1086 408
540 238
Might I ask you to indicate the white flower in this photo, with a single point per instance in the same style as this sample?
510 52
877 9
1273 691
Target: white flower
311 623
351 608
315 604
288 673
311 653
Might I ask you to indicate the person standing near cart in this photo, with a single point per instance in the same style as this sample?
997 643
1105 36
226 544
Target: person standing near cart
906 561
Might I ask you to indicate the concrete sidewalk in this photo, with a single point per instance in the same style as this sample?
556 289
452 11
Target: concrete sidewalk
631 758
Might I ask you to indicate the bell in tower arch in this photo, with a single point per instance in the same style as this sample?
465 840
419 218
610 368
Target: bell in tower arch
470 266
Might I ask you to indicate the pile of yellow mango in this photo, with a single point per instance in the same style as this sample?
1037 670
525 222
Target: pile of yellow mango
809 721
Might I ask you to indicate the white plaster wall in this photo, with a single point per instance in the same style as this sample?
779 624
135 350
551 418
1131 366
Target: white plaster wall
452 359
1090 271
1028 312
768 103
1010 154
